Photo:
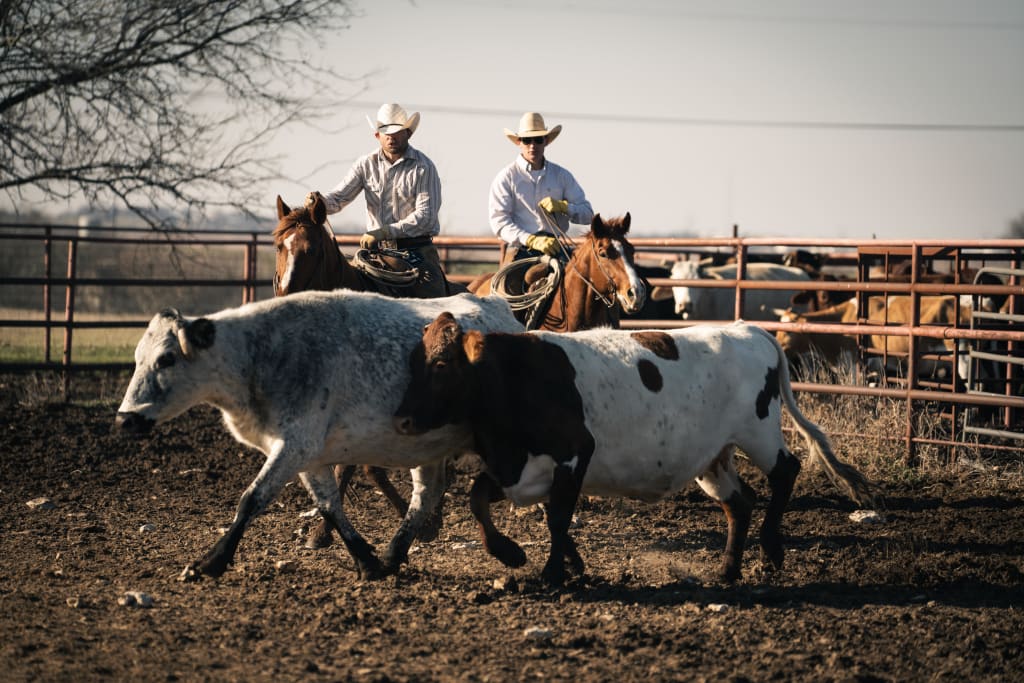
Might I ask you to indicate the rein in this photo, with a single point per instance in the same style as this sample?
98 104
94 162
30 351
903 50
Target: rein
564 245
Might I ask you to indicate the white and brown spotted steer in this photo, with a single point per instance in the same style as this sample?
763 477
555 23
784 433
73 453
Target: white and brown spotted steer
616 413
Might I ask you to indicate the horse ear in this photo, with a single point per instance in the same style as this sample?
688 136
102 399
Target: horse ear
318 211
282 208
597 226
626 220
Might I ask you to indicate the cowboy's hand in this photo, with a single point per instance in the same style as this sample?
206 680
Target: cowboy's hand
554 205
311 198
542 243
371 240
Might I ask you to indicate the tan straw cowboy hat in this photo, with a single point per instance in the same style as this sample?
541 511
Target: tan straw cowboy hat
531 125
391 118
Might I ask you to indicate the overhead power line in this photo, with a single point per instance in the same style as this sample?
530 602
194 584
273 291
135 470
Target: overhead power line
716 122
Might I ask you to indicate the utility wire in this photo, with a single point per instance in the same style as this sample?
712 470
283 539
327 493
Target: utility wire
715 122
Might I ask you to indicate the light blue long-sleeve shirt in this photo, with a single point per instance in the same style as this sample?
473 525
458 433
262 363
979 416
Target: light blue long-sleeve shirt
516 190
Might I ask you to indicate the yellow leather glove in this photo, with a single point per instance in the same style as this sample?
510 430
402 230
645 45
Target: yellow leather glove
542 243
554 205
372 238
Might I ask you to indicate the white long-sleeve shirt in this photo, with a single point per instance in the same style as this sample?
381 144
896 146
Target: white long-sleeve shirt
403 197
515 192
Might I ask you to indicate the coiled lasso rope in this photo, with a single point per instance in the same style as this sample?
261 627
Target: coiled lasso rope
541 291
363 260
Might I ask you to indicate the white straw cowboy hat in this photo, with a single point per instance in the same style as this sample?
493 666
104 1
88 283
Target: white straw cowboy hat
531 125
391 118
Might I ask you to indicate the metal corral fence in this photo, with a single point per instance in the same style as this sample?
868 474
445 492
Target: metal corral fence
63 279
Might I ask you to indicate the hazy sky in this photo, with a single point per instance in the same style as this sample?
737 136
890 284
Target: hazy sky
899 119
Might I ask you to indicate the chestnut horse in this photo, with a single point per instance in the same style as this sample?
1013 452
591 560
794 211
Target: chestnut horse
308 258
600 278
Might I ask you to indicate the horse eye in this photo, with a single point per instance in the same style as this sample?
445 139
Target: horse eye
165 360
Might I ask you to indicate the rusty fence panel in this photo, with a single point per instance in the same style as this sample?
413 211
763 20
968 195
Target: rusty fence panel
856 258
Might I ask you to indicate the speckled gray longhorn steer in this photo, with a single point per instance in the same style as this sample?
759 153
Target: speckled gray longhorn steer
310 380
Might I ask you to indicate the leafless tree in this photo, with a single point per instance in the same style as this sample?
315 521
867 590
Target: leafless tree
157 104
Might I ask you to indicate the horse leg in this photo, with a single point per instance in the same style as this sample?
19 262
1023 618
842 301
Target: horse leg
320 536
380 478
483 492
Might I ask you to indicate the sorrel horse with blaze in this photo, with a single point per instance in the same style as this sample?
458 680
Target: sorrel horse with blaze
599 280
309 258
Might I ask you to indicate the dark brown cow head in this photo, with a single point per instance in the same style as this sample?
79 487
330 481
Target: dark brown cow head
441 391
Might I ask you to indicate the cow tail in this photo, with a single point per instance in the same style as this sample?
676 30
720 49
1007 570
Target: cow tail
845 477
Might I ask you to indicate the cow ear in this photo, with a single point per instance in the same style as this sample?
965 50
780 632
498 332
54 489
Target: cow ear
660 293
282 208
473 345
196 335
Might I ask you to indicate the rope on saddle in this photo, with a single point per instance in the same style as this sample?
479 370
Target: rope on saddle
509 284
379 266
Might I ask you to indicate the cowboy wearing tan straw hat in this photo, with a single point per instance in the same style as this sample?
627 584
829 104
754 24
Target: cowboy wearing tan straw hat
531 192
403 196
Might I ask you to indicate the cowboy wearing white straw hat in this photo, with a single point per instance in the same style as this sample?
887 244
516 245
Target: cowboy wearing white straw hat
531 192
403 196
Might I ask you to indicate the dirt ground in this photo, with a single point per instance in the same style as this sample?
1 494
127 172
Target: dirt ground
933 593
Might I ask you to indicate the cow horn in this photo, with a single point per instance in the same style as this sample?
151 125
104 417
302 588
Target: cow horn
184 343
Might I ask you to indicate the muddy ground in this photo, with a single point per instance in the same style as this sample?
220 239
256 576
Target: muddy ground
934 593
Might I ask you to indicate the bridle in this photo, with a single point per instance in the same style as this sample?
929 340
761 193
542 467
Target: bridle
564 245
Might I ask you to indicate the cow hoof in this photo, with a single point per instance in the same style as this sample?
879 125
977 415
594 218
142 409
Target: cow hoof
554 574
772 556
729 573
319 538
372 570
430 530
506 551
213 566
392 563
191 573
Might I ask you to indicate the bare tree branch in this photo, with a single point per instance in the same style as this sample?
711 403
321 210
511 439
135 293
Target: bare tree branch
158 104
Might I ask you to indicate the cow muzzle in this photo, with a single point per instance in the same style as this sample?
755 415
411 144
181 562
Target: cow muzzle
405 425
134 424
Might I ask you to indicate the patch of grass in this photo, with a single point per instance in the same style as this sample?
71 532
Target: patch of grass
869 432
106 345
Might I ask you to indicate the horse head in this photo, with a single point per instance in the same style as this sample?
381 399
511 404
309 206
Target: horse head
613 273
307 255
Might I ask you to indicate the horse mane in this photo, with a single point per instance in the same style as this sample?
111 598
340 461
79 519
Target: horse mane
288 222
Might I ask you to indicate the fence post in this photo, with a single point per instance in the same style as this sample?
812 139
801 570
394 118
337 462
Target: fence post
47 317
69 315
249 272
